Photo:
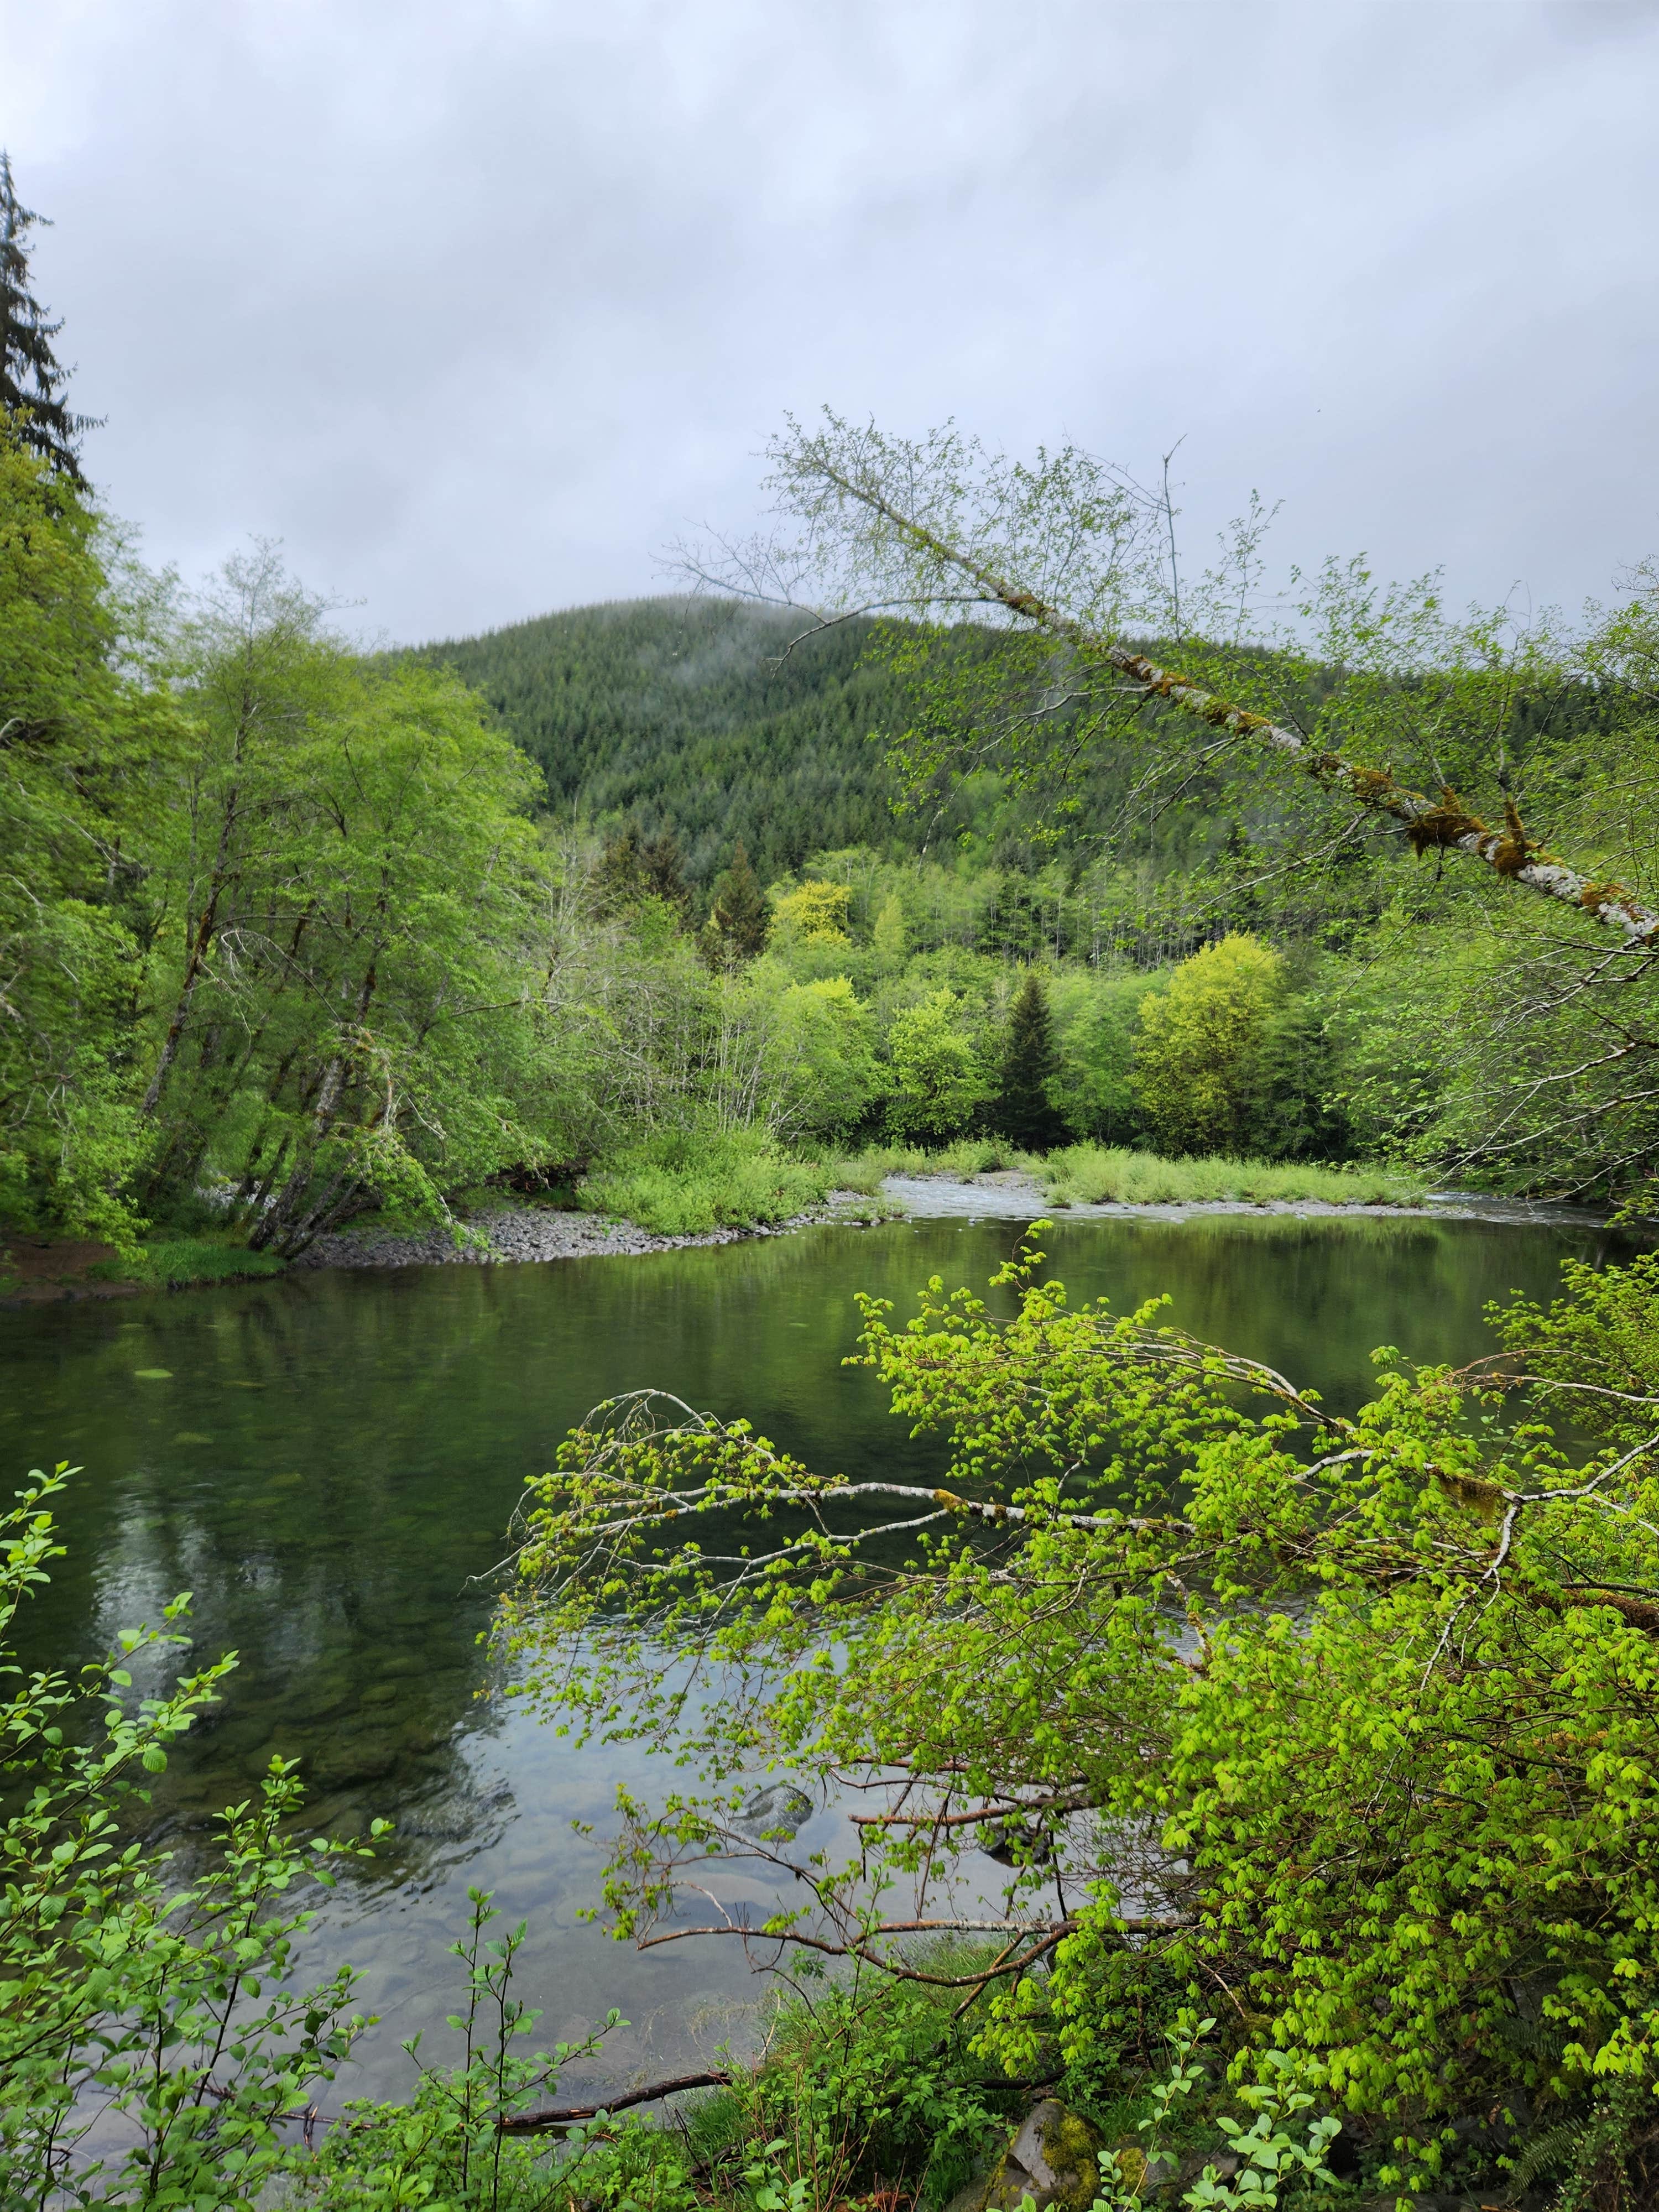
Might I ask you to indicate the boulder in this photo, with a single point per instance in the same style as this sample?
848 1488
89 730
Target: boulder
1054 2159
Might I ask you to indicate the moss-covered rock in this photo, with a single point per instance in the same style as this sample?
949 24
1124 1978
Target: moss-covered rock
1054 2159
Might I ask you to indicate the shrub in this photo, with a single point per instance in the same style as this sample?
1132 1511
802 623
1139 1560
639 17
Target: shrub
814 912
1351 1716
118 1995
1097 1016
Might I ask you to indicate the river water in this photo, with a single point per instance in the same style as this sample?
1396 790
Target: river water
327 1459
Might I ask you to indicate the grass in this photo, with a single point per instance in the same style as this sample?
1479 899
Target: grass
1089 1175
681 1183
969 1156
172 1263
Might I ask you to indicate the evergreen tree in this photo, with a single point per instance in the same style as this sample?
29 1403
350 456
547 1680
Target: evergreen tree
1024 1113
32 380
632 868
661 872
739 917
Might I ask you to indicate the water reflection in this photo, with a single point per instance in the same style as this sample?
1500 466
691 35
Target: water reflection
328 1460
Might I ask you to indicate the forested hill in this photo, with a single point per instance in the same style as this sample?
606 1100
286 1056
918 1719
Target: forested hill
679 713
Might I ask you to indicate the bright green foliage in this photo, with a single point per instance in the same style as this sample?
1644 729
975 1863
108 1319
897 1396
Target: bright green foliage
76 746
823 1074
889 934
1353 1716
1096 1016
157 2012
1024 1110
938 1085
1085 1174
814 912
119 1994
686 1181
1272 2161
342 904
445 2148
1197 1066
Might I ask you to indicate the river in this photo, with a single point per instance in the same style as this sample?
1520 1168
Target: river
328 1460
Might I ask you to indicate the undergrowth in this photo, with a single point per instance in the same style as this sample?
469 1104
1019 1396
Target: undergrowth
683 1182
174 1262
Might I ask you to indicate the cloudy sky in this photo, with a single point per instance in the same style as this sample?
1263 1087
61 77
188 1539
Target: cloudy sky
475 304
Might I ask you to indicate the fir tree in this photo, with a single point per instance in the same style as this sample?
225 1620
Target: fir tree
632 869
32 380
662 874
739 917
1023 1113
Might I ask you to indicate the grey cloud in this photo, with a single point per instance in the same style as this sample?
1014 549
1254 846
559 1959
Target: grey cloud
475 306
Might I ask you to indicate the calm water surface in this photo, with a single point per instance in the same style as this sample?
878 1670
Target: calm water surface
325 1460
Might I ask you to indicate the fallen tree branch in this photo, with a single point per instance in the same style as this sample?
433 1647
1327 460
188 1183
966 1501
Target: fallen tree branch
566 2116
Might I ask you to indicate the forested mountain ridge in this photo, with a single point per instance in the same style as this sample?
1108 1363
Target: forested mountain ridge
686 714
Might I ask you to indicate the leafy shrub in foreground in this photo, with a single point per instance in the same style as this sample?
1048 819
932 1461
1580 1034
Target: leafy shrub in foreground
163 2013
1352 1717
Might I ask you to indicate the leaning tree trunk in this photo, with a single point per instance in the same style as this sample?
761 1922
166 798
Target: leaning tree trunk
1438 823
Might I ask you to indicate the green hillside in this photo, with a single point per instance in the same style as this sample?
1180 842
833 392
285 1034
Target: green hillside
681 714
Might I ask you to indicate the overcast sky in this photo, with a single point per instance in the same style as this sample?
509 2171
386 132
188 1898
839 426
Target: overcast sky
475 304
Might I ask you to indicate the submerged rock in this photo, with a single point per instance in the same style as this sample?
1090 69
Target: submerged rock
776 1807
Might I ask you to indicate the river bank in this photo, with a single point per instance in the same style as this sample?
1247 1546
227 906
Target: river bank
532 1234
38 1271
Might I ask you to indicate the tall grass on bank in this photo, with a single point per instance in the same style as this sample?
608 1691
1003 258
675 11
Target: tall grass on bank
685 1182
969 1156
1092 1175
173 1263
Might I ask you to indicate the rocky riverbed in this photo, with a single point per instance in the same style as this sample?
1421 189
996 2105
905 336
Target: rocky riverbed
533 1233
529 1233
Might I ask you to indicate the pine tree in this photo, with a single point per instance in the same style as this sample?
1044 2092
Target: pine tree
739 917
1031 1061
32 380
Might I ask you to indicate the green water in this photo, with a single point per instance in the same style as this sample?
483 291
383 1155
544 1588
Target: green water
327 1459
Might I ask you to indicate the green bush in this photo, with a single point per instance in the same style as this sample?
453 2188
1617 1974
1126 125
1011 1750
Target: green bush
166 2005
937 1083
1098 1016
969 1156
1350 1716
